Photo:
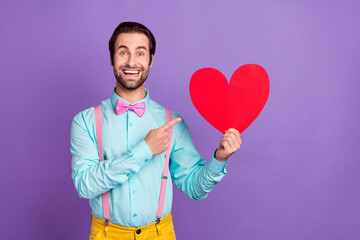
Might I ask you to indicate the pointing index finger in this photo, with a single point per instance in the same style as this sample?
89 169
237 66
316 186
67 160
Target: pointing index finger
170 124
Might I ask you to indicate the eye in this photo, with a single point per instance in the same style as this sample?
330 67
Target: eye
140 54
123 53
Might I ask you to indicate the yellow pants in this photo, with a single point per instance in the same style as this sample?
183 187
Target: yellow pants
164 230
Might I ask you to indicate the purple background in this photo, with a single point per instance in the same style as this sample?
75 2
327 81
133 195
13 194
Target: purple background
296 175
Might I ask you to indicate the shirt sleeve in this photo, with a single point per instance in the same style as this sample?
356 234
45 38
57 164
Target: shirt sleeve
189 170
92 177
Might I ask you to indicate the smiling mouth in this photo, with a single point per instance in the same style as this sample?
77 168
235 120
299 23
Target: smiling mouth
130 72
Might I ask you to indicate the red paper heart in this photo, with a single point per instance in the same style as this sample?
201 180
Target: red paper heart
235 105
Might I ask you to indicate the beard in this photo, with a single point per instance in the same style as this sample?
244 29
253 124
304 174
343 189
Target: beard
131 84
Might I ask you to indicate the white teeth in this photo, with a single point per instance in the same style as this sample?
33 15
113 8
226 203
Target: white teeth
127 71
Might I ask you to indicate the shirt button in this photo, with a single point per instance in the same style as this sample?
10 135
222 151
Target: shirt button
135 215
130 124
133 191
146 160
128 174
138 231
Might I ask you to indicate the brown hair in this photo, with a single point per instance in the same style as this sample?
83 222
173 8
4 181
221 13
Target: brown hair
132 27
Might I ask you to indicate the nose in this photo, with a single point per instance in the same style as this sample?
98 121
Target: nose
131 60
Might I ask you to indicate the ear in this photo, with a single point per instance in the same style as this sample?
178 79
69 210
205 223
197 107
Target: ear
111 64
152 60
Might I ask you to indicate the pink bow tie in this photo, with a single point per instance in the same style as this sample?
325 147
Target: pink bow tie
138 108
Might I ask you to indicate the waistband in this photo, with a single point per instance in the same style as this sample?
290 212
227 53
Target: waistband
163 221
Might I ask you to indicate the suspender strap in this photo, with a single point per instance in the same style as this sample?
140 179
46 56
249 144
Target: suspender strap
98 123
165 173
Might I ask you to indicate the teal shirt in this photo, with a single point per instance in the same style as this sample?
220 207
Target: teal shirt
130 172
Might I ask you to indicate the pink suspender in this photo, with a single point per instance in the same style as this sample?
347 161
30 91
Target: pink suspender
105 196
165 173
98 123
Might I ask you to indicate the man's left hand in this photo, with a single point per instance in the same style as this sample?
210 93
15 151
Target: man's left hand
230 143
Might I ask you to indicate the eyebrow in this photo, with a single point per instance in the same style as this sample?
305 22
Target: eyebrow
139 47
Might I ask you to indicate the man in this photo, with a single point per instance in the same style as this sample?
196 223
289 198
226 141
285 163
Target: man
134 143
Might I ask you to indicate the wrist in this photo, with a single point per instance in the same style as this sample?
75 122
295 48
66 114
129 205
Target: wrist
219 158
142 152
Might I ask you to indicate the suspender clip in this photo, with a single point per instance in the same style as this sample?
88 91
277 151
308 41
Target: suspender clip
106 222
164 177
157 221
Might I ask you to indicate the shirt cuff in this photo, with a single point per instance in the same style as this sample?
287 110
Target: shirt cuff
217 166
141 152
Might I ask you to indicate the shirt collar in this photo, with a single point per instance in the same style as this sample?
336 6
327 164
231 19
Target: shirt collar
115 97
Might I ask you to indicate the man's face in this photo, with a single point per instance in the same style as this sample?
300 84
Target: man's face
131 60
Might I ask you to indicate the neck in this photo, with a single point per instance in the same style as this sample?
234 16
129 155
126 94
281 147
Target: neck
130 96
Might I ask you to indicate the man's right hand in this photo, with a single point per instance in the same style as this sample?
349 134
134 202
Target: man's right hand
158 139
